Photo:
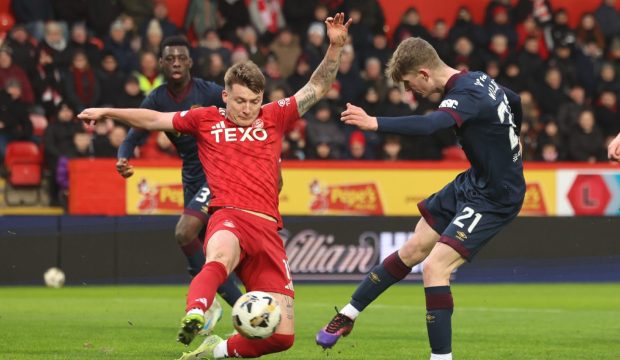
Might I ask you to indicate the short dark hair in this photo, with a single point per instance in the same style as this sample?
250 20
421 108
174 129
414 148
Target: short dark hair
246 74
176 40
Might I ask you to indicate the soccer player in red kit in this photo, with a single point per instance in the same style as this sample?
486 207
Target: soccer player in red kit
239 148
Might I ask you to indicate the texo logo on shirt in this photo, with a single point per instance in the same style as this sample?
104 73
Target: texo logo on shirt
223 133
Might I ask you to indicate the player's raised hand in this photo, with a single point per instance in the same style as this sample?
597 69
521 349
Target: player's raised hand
91 115
356 116
123 168
613 151
337 29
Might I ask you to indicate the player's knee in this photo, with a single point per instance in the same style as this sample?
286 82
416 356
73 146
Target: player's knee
281 342
434 272
182 235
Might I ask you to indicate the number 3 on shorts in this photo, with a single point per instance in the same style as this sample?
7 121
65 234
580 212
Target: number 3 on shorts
204 194
468 213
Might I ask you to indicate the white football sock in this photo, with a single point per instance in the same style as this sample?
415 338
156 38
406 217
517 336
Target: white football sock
221 350
441 356
350 311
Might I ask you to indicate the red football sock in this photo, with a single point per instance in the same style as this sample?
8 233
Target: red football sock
238 346
204 285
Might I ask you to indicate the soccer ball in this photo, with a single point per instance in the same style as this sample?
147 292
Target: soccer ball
54 277
256 315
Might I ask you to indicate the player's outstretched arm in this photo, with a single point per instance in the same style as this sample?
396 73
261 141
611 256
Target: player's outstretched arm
325 74
613 151
139 118
405 125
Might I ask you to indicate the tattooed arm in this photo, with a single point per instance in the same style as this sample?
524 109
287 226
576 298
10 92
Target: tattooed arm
322 78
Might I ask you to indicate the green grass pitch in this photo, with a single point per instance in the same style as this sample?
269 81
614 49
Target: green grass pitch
520 322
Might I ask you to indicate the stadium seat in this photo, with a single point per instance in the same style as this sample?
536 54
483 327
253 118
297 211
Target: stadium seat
23 162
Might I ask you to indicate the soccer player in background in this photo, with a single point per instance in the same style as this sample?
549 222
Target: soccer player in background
461 218
613 151
182 92
239 148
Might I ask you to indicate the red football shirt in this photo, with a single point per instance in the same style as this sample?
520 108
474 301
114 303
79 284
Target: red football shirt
241 163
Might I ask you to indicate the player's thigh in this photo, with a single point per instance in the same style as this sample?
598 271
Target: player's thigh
197 202
287 322
419 245
223 246
188 227
439 264
475 223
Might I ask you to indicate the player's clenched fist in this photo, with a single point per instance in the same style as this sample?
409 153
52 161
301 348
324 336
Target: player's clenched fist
123 168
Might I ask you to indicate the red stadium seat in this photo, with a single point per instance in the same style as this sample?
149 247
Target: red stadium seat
23 162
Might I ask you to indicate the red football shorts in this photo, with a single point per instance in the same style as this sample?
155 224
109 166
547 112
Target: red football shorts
263 264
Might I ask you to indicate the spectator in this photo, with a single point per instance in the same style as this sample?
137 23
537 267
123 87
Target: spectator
372 13
153 37
564 60
395 105
549 153
530 29
106 145
531 64
500 23
257 52
349 77
160 16
315 48
608 19
117 43
47 83
294 142
235 14
14 120
132 96
550 135
101 14
588 31
10 72
287 49
553 92
81 84
379 49
140 11
111 80
465 27
439 39
301 75
608 80
209 44
323 128
410 26
82 148
560 30
466 54
323 151
81 42
540 11
499 50
373 78
55 44
585 142
606 114
356 149
359 35
148 76
511 77
23 47
266 16
158 146
392 148
568 113
58 140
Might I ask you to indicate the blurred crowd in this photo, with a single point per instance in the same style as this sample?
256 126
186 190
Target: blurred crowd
58 57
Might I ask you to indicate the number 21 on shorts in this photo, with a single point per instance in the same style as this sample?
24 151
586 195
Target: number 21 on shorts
467 214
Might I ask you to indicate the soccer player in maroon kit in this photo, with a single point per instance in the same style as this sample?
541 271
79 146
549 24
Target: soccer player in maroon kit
239 148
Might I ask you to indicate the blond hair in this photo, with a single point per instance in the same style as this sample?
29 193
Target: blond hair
411 55
247 74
